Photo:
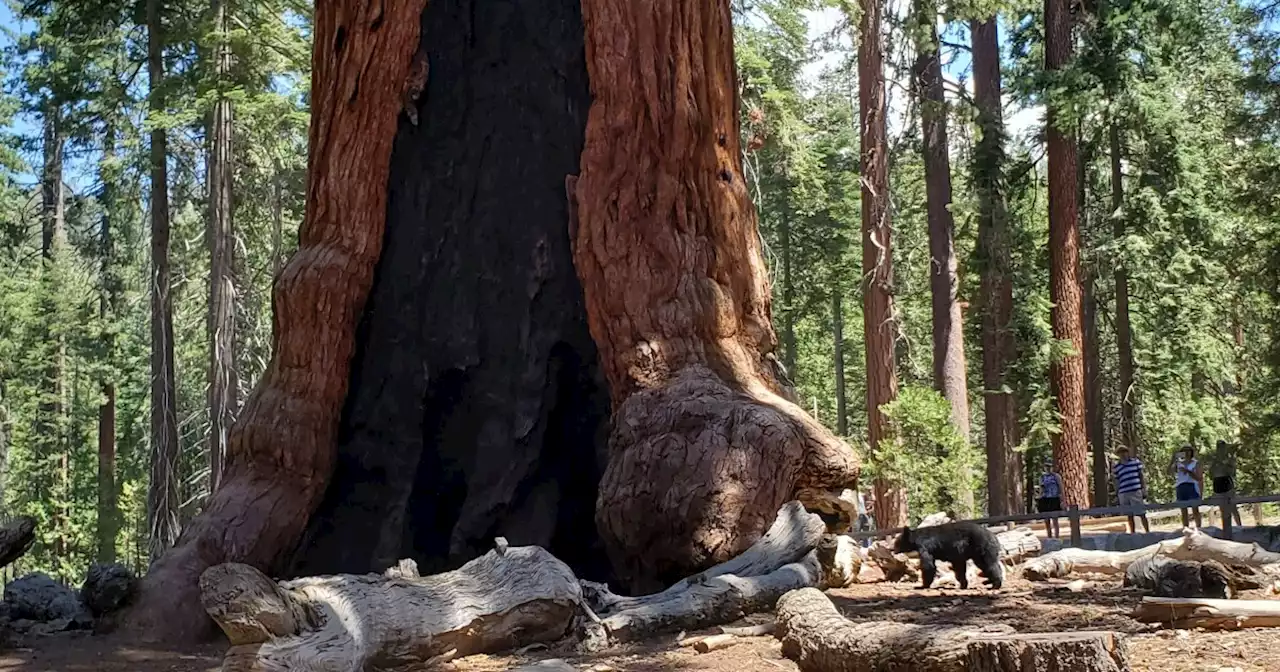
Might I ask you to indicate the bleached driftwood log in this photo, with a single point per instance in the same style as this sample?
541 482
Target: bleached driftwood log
793 535
1018 544
840 560
16 539
839 507
1210 614
781 561
819 639
1192 545
503 599
1059 564
934 519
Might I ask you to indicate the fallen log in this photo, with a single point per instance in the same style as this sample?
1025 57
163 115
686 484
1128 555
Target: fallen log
1018 544
792 536
16 539
503 599
714 642
1164 576
1210 614
723 599
819 639
1192 545
1060 564
840 560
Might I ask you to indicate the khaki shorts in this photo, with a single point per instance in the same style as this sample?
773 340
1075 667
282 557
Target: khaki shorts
1130 498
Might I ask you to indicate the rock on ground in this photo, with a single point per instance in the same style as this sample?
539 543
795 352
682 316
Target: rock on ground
107 587
37 597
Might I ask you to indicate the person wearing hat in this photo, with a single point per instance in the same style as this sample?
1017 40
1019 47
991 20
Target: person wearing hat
1050 498
1188 480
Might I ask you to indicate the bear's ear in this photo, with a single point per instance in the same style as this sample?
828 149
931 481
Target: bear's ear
906 532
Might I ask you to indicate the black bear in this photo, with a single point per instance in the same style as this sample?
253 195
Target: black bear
955 543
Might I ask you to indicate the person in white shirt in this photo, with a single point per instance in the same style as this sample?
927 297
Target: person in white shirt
1050 497
1188 480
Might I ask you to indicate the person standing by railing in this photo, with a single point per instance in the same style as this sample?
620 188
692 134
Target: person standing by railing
1224 475
1131 486
1188 480
1050 497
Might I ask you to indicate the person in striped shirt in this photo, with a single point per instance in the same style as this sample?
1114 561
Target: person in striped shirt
1131 485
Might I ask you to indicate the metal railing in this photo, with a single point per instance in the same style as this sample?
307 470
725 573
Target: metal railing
1226 504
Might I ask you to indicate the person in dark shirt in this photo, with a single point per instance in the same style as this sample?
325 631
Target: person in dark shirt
1224 474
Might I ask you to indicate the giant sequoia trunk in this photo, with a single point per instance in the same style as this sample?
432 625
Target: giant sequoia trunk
704 447
432 338
877 256
1066 373
1004 466
949 371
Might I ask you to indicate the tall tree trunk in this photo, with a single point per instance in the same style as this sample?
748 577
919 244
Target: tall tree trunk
837 328
1093 393
949 370
1066 373
788 298
877 256
163 498
1094 418
52 423
108 516
1124 332
277 222
1000 409
281 452
678 300
223 383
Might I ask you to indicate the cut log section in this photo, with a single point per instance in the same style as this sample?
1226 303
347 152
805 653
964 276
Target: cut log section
346 623
1210 614
16 539
819 639
1084 651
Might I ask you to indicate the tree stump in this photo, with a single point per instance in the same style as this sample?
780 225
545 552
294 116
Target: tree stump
1048 652
349 623
819 639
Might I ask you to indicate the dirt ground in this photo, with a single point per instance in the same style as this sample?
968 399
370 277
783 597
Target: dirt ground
1026 606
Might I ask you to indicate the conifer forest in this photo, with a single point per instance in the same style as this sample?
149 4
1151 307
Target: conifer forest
315 287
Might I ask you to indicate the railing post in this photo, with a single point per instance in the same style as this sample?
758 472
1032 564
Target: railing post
1073 516
1228 511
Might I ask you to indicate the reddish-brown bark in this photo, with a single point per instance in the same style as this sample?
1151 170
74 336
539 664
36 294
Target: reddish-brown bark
950 376
1004 472
948 332
704 447
877 256
281 451
1070 446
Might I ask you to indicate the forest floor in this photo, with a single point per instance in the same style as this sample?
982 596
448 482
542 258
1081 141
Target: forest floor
1028 607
